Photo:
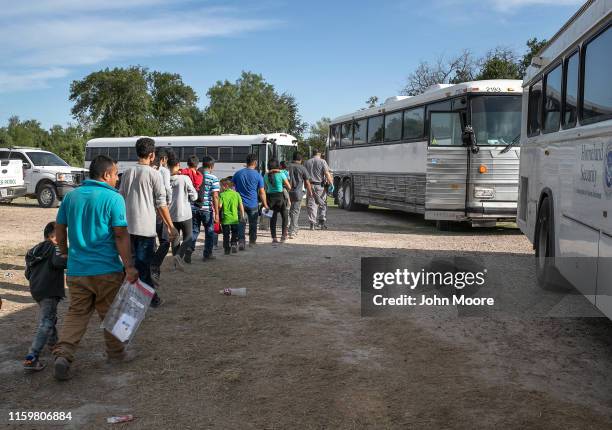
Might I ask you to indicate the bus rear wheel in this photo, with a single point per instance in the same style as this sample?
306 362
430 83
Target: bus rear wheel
347 197
340 196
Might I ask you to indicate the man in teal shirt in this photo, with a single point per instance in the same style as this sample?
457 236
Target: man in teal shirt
92 220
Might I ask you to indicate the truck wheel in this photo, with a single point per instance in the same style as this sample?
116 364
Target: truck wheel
47 196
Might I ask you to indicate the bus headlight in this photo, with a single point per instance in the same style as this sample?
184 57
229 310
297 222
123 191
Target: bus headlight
484 193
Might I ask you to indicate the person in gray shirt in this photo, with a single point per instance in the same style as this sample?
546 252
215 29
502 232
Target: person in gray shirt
180 210
319 174
143 190
160 162
298 178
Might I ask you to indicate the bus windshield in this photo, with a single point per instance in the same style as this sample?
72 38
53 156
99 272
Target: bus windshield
496 119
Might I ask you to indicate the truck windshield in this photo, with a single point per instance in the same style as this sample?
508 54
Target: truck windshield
46 159
496 119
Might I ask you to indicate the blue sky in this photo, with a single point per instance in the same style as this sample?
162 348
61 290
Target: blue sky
331 55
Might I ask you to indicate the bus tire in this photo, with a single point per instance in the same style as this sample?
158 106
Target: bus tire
347 196
547 274
340 195
47 196
442 225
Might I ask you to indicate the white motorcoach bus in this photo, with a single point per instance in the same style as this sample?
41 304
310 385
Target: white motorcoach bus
229 151
414 153
565 204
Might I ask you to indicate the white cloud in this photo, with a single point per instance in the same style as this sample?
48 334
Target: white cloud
30 80
47 36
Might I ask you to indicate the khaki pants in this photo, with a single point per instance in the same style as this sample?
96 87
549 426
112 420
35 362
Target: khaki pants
86 294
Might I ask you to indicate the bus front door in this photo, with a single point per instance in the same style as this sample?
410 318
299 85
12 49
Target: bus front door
446 168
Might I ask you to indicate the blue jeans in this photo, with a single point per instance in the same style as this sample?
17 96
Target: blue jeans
46 332
143 249
252 215
202 217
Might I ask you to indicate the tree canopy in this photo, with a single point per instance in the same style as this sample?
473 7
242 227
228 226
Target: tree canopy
251 106
499 63
67 142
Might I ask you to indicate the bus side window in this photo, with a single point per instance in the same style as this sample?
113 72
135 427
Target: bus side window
113 152
346 136
187 152
445 129
534 113
597 99
225 155
359 134
124 153
570 98
552 100
88 154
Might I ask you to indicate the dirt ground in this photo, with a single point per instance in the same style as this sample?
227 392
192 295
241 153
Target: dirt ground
296 353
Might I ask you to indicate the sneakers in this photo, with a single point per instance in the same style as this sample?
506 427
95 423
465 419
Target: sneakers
312 226
210 257
275 240
178 263
155 274
32 364
283 239
61 369
322 225
241 246
252 244
128 355
234 249
227 251
156 301
187 258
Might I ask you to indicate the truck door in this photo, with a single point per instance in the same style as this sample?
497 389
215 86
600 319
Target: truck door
27 169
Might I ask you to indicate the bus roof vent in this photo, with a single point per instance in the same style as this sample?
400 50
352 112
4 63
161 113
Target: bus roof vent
435 87
396 99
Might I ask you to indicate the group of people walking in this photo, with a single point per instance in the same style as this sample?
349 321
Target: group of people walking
104 235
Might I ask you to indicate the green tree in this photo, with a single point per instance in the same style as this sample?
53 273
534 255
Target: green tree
251 106
317 138
372 101
172 103
113 102
533 47
68 143
500 63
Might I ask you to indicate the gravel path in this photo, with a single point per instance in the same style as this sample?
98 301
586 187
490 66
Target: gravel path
296 353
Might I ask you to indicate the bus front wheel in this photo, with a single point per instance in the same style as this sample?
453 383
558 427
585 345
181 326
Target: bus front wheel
548 276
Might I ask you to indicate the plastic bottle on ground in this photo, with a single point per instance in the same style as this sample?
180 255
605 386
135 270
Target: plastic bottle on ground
234 291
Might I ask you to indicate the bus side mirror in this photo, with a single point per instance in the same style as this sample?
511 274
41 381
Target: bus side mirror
468 136
469 139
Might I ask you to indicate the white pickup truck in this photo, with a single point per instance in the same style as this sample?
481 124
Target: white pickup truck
47 177
12 184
